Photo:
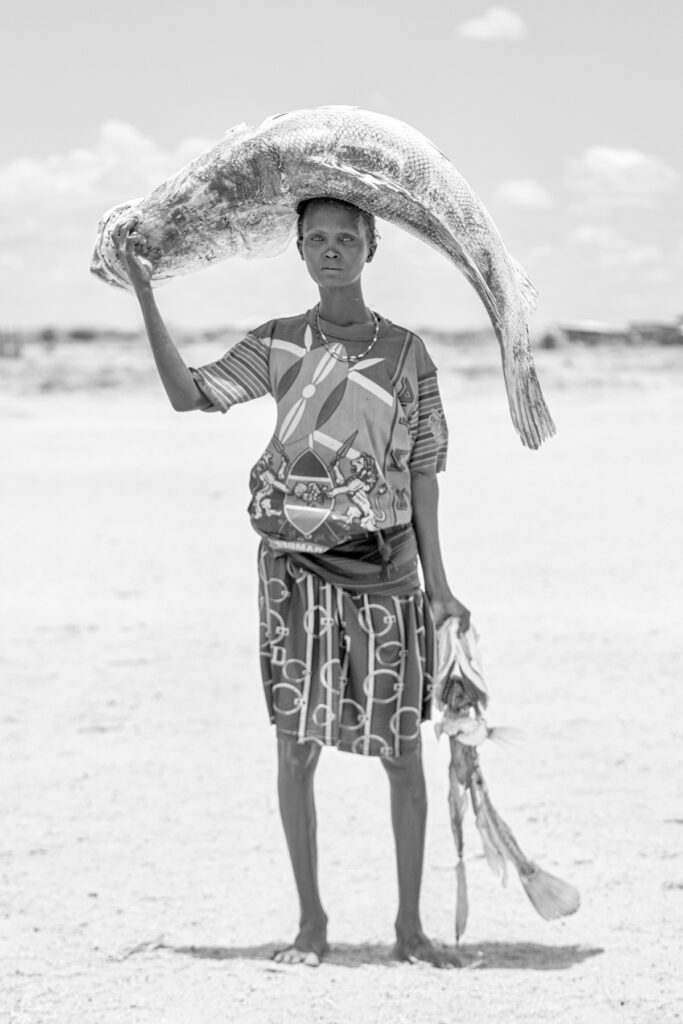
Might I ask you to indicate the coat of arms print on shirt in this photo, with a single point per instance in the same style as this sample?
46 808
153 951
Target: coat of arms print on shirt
338 464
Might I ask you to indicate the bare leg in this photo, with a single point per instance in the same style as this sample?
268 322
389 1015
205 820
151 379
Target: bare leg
409 820
296 767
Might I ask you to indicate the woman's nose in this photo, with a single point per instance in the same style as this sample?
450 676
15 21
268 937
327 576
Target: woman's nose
331 254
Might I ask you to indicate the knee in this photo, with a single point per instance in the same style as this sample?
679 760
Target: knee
296 759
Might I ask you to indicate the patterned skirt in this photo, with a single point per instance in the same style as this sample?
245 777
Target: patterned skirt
343 668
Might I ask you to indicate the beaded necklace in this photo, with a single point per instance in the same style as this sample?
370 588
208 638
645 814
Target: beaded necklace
341 358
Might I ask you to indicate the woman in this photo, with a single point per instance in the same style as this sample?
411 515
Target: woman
345 500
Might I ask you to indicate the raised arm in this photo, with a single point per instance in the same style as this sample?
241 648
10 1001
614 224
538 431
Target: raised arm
425 497
183 393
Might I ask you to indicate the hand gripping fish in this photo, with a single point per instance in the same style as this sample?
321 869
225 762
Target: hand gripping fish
239 198
461 693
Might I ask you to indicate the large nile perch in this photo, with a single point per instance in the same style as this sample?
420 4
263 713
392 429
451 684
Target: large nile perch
239 198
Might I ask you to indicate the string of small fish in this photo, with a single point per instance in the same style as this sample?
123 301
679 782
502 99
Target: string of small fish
462 696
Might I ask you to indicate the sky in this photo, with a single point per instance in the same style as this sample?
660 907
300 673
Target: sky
565 119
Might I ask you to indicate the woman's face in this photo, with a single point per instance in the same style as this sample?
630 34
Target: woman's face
335 245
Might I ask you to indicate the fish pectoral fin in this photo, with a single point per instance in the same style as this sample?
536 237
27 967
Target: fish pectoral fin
527 292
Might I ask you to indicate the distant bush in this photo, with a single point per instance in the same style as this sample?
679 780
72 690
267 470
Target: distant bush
11 344
83 334
553 339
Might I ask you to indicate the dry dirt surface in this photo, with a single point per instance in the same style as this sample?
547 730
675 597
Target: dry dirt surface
144 873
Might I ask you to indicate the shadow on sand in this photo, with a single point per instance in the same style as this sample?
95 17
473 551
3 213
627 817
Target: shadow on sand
520 956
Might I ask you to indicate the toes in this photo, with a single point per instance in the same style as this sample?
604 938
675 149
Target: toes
292 955
288 956
427 954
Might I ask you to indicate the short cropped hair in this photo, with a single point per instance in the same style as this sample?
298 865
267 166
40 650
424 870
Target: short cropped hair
367 218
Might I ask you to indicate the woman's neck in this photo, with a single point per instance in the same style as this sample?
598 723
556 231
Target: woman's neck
343 310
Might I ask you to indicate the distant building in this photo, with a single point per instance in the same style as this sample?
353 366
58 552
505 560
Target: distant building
587 332
657 332
639 332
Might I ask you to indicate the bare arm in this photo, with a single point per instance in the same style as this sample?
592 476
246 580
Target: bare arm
425 493
183 393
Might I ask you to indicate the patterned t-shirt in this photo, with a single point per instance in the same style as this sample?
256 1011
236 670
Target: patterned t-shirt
348 435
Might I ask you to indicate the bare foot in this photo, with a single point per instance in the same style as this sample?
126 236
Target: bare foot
292 955
418 948
308 948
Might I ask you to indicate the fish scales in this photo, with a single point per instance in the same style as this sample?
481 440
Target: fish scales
239 198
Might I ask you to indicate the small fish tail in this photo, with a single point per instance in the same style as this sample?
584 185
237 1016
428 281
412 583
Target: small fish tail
550 896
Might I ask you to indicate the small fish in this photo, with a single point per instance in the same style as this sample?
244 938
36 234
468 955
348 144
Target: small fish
466 728
239 198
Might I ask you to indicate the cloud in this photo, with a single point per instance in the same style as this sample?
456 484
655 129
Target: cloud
612 250
495 24
524 192
123 164
606 176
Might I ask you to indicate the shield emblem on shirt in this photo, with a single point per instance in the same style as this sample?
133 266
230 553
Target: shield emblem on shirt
308 504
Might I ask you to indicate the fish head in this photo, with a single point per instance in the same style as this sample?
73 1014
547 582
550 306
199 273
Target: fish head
211 213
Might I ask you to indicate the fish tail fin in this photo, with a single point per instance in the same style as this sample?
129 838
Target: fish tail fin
506 734
526 289
550 896
528 408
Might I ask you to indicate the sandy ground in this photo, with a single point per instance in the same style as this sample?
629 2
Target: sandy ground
144 874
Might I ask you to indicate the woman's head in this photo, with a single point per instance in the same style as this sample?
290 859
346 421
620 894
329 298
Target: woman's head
360 216
336 240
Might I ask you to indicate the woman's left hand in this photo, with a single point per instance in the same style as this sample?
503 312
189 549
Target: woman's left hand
447 607
130 243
